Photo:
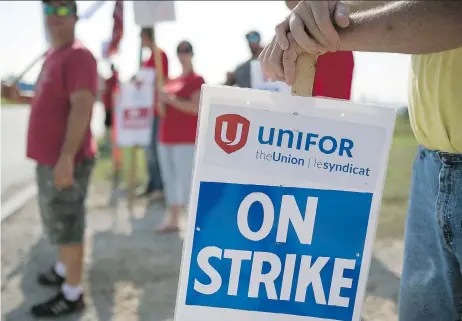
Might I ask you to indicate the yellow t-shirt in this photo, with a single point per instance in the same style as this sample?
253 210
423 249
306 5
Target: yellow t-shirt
435 100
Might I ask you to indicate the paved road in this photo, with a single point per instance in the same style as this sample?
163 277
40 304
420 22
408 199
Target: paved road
15 168
130 272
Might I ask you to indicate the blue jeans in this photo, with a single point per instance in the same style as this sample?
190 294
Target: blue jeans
155 179
431 283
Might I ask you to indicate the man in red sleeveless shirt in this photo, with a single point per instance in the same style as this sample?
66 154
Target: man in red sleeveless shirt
60 141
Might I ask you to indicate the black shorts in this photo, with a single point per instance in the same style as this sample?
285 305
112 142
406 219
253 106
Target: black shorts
108 119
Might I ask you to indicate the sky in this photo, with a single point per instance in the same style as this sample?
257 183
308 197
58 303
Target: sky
215 28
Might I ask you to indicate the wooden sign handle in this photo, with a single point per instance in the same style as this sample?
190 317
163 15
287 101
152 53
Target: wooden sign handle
304 75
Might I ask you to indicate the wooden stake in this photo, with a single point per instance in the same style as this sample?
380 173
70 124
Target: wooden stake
132 177
132 174
117 157
304 77
159 68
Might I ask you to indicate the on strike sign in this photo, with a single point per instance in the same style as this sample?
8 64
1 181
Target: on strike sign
284 205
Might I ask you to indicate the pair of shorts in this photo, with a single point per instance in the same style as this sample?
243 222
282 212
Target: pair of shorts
63 211
176 165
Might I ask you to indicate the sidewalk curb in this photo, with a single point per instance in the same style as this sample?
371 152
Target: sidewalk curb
17 201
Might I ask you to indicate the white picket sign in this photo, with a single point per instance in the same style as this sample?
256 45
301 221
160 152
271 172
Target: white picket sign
284 206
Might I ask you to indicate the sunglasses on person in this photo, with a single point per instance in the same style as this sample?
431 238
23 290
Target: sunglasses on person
60 11
253 38
184 50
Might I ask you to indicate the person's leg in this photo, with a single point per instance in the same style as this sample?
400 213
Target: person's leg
431 281
154 187
150 186
107 143
184 164
156 176
171 188
65 224
55 276
449 205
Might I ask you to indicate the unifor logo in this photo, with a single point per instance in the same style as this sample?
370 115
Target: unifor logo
231 132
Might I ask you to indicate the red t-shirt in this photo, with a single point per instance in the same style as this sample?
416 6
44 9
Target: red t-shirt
65 70
110 88
178 127
334 75
151 63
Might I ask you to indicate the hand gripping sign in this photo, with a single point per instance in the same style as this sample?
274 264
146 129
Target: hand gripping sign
284 205
134 110
260 81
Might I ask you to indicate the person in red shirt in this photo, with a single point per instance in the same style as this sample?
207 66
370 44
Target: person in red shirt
177 136
110 87
59 139
154 188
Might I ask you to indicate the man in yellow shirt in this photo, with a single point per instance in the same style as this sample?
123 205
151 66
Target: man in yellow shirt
431 283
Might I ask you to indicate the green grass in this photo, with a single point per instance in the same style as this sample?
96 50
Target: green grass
104 167
395 197
7 102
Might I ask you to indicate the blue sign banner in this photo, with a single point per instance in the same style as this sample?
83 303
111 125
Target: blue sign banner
284 250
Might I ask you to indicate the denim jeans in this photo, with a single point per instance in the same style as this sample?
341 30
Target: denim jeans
152 162
431 283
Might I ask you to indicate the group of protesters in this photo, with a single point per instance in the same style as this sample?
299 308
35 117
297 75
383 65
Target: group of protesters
174 125
60 139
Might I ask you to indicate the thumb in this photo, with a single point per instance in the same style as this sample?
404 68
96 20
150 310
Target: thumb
342 15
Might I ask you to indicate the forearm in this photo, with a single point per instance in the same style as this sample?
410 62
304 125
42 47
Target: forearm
78 122
409 27
186 106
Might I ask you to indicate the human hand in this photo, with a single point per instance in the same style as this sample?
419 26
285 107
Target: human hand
278 64
164 97
63 172
161 109
311 24
10 92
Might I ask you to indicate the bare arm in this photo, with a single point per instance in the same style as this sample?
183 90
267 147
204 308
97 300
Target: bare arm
410 27
79 119
187 106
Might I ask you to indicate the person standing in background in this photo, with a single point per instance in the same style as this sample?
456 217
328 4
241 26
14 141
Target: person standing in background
59 139
177 137
110 88
241 76
155 186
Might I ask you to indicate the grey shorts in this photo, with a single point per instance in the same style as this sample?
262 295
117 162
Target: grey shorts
63 212
176 165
